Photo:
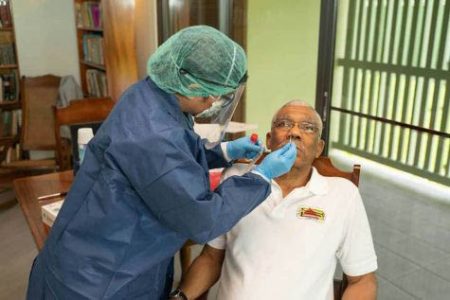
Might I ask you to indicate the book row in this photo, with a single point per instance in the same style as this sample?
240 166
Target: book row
11 121
5 15
12 153
93 48
9 86
96 83
89 15
7 56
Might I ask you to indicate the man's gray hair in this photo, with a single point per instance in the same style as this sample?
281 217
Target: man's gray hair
301 103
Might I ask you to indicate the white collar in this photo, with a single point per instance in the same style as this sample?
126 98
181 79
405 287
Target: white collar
317 184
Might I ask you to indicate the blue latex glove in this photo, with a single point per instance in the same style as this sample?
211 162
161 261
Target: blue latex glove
243 148
278 162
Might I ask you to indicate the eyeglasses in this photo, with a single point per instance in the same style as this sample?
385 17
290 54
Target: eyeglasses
286 124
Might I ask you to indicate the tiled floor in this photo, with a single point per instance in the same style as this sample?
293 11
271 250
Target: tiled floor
411 234
17 251
412 239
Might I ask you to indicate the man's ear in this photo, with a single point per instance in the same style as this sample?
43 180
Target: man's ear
268 137
320 146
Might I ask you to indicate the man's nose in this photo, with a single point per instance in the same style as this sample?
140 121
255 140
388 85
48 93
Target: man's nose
294 133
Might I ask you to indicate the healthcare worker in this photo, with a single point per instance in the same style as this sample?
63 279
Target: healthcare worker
143 187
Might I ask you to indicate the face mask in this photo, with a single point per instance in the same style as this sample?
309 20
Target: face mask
219 115
220 103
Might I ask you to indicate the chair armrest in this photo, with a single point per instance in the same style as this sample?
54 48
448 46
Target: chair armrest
65 155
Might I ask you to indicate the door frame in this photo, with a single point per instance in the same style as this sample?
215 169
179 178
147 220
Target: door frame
325 63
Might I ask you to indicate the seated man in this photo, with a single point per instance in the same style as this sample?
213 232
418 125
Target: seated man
287 248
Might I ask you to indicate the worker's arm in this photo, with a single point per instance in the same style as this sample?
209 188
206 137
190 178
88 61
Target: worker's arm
172 180
203 273
361 287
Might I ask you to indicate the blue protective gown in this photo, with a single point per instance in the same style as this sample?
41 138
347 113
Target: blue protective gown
141 192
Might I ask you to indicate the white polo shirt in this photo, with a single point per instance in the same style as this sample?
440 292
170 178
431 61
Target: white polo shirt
276 253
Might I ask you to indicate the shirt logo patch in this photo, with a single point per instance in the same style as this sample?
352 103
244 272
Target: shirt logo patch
312 213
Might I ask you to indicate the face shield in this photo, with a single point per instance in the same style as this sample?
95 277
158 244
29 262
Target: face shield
212 123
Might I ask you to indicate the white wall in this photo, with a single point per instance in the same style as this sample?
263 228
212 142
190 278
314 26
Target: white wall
46 37
282 48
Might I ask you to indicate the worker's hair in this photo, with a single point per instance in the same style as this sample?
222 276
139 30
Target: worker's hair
301 103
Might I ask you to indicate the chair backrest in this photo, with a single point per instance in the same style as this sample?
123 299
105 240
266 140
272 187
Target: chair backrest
39 95
325 167
87 111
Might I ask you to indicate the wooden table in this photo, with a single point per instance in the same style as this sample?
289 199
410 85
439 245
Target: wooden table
28 189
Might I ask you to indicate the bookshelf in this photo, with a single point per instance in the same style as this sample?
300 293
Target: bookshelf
106 42
10 113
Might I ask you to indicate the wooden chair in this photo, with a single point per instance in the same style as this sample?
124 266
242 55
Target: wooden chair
86 111
325 167
39 95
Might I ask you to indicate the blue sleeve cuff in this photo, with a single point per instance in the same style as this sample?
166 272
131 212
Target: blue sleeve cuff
260 174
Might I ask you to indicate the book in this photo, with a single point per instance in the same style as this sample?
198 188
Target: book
50 211
96 15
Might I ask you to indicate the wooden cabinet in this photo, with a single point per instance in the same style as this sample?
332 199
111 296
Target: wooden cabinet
106 46
10 114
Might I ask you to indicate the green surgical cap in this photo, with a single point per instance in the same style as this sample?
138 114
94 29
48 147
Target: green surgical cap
198 61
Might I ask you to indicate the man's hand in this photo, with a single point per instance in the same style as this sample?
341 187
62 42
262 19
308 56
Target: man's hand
361 287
